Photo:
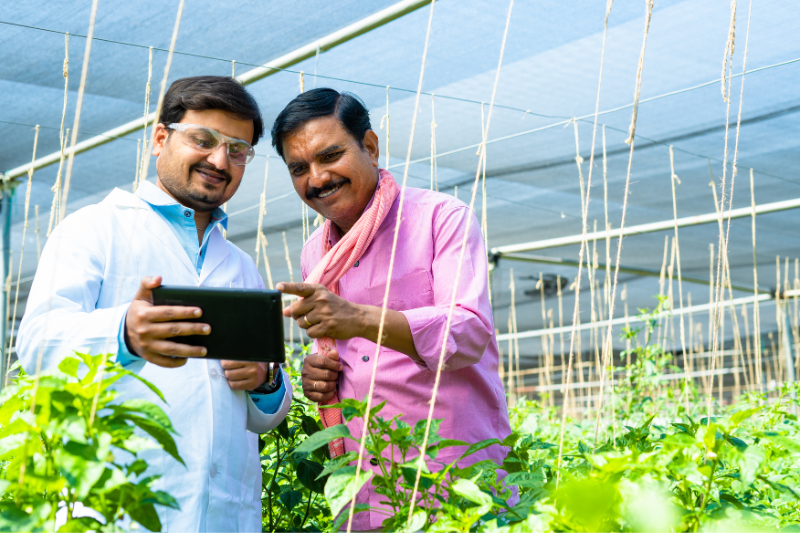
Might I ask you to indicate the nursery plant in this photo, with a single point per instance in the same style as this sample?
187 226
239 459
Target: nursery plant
68 450
657 463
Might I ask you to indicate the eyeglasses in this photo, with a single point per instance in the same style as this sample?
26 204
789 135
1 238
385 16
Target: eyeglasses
207 140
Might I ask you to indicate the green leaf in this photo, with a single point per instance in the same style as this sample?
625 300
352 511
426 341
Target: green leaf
321 438
418 520
478 446
122 372
310 426
161 435
337 462
470 491
309 472
290 498
740 416
82 524
434 449
69 366
342 518
146 515
147 409
342 487
732 500
526 479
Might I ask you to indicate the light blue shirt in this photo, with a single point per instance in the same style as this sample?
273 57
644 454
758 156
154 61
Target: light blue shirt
181 220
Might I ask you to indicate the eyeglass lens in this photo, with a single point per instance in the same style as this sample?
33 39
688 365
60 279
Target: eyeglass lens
239 152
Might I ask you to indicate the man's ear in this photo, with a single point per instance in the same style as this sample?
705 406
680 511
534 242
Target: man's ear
159 139
370 143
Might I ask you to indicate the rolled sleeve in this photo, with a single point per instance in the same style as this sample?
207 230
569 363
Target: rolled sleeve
471 327
269 403
124 355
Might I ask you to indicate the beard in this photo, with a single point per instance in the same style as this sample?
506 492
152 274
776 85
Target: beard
191 191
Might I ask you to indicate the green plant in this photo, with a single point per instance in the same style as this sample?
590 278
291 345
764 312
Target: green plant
55 456
292 495
658 463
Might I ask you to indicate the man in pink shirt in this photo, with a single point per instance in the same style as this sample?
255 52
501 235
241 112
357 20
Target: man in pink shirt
331 152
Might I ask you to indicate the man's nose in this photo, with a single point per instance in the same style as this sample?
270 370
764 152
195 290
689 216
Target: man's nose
319 176
219 156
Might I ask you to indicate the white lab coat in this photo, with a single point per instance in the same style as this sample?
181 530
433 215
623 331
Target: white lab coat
89 272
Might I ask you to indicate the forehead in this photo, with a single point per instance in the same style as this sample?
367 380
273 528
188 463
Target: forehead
315 135
222 121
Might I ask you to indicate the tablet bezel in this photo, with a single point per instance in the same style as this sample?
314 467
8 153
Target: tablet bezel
246 324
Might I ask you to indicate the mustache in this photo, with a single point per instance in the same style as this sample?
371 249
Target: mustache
212 168
313 192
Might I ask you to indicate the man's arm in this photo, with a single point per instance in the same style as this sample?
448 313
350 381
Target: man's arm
60 315
323 314
419 332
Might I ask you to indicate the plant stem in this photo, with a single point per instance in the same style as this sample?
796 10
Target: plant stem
308 508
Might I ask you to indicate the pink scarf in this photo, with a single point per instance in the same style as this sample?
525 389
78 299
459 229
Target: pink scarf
338 260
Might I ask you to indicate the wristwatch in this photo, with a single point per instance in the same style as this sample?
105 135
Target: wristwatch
274 379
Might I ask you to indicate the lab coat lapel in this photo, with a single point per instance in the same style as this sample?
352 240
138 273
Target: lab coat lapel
159 229
216 252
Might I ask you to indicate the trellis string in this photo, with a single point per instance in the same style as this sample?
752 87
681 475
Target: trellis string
446 333
384 307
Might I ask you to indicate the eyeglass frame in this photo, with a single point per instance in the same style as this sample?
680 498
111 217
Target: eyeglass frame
181 127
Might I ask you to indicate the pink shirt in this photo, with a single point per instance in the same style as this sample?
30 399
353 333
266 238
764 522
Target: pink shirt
471 398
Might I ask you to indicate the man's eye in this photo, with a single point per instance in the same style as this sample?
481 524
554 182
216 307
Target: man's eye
203 141
238 148
298 171
331 157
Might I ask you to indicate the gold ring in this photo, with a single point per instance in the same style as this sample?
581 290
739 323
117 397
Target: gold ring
309 324
315 386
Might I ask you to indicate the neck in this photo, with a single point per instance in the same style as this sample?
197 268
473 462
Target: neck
201 218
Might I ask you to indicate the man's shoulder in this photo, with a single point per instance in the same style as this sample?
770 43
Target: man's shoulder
104 209
433 202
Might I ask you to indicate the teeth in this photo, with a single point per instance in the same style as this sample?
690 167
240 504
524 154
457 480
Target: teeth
326 194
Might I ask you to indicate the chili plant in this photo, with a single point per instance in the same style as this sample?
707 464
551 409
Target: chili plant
55 457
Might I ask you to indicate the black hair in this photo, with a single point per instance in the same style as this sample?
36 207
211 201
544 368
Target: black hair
211 92
317 103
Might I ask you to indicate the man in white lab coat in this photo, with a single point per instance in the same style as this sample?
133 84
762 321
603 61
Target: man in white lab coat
92 293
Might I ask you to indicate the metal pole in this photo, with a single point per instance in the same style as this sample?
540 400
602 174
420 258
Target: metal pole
5 215
325 43
623 321
627 269
648 228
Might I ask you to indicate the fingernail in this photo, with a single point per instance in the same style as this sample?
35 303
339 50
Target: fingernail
204 352
279 286
206 329
197 312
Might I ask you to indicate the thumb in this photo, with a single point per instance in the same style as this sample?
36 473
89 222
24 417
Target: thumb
145 291
333 354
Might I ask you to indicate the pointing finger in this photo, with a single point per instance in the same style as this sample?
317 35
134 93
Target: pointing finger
298 289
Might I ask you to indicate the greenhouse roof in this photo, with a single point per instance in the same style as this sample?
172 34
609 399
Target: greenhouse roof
549 77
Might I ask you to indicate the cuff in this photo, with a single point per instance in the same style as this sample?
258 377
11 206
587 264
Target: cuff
124 355
427 327
269 403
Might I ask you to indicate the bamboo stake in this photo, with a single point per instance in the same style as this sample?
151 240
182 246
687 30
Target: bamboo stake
38 236
22 245
141 166
62 140
262 211
78 107
756 307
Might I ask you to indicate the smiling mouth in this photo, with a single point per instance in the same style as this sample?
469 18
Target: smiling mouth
330 192
213 177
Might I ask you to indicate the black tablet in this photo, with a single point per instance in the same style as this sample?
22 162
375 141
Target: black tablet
246 324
